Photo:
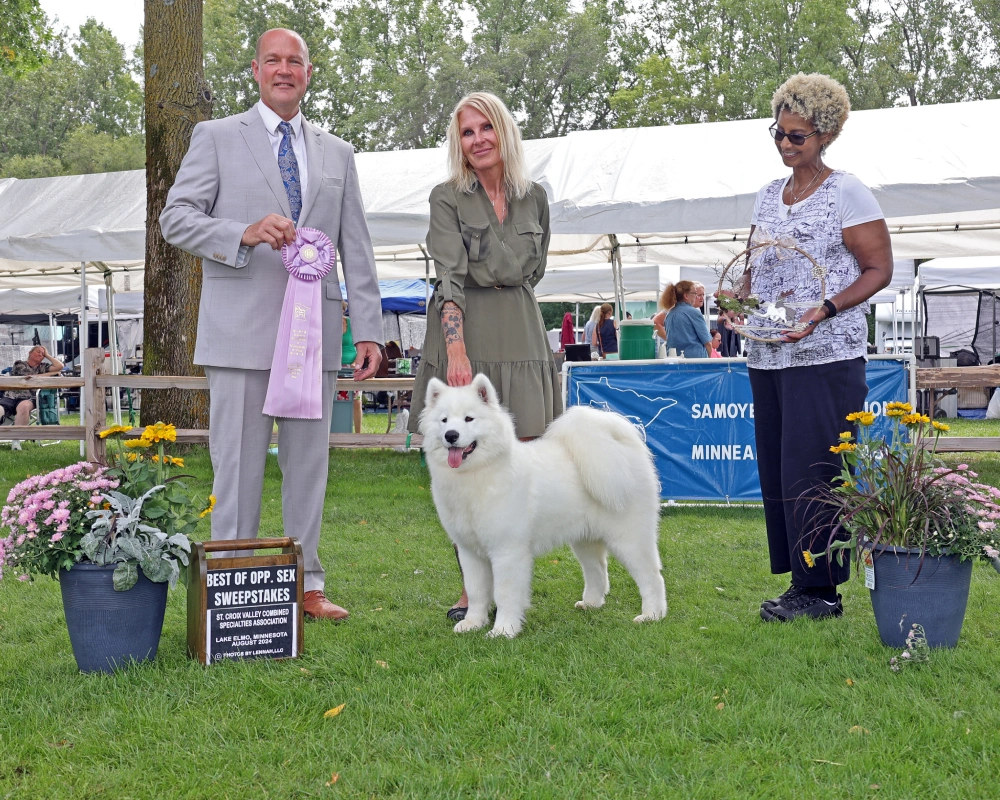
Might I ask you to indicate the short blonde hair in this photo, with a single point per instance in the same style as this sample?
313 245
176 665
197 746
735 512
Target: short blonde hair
517 178
817 98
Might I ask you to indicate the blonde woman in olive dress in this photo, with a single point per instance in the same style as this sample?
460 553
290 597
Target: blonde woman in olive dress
489 236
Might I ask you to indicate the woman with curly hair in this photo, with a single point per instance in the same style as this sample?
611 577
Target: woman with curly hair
805 385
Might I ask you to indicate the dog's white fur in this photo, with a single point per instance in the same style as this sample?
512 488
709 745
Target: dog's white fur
588 482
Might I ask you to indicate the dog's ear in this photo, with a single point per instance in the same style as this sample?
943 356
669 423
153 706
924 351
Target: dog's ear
434 389
485 389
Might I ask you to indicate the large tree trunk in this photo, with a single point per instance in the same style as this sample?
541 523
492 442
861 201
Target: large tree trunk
177 98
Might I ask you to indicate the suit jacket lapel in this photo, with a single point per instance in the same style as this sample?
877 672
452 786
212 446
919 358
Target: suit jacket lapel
314 159
260 148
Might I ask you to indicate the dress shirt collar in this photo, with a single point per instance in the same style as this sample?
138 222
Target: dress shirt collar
272 120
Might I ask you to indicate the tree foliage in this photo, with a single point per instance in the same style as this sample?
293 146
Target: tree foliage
24 33
83 98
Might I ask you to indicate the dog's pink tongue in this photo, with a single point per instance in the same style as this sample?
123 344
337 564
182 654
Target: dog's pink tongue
454 457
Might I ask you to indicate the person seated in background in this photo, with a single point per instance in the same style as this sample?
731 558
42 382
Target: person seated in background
19 403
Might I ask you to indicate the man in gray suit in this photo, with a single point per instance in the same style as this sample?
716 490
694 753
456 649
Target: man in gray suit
244 186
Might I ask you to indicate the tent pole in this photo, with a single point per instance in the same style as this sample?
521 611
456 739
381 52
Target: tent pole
113 346
84 340
52 334
576 320
616 275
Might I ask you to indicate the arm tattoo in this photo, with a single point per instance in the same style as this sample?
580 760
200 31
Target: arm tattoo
451 322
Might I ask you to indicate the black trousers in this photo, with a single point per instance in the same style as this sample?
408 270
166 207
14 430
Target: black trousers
799 413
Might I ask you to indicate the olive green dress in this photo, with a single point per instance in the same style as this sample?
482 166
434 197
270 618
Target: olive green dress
489 271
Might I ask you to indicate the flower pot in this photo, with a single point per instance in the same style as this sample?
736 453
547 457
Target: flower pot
110 629
936 599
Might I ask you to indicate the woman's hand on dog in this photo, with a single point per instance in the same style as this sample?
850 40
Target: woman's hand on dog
459 368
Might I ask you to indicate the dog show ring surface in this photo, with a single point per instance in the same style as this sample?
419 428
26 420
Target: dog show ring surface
635 340
696 416
245 606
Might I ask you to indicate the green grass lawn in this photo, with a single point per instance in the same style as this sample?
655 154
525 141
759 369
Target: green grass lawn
709 703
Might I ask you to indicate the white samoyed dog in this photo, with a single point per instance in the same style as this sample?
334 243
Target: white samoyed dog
588 482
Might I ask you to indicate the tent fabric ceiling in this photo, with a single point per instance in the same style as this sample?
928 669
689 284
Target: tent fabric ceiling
684 193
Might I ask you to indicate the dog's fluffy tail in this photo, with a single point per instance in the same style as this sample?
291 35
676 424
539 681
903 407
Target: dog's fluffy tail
611 459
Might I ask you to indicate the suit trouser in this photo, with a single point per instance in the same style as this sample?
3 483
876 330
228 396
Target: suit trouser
240 435
799 413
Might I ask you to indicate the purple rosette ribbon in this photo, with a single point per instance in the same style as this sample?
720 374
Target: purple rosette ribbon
295 388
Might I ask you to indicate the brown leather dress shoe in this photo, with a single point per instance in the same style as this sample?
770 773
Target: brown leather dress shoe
316 606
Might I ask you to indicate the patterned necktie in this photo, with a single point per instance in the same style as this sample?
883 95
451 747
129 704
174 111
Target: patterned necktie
289 168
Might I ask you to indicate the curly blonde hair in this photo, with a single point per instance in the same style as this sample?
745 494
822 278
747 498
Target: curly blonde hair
517 176
817 98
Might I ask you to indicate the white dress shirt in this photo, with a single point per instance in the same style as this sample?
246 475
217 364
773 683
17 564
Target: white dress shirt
271 122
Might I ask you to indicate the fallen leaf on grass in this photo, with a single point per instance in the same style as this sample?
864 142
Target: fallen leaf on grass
378 609
382 664
305 671
874 786
418 572
824 761
720 706
850 682
334 711
385 574
333 779
554 561
61 743
858 729
363 522
719 589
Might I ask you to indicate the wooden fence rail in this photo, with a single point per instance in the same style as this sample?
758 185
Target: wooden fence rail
95 414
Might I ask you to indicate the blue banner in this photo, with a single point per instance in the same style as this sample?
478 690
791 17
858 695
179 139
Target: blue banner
697 418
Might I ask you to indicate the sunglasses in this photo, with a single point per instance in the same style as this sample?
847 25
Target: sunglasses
797 139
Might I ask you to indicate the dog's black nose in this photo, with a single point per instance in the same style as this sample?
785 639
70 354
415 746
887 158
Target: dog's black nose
451 437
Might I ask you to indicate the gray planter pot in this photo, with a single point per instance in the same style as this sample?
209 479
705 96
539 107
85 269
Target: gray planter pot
935 598
110 629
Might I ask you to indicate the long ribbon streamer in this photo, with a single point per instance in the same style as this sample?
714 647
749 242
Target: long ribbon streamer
295 388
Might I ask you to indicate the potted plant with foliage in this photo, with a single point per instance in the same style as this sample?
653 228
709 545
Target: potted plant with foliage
115 536
914 523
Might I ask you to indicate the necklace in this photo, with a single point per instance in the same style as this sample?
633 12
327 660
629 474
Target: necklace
791 189
493 201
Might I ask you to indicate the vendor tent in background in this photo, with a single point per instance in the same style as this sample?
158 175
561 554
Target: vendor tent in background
673 195
960 305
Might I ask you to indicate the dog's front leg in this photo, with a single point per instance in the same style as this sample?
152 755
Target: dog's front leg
512 590
478 577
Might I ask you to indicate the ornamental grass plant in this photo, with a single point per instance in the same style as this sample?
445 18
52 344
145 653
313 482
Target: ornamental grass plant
896 492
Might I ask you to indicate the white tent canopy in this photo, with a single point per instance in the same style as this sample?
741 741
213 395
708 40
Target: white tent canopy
683 192
974 272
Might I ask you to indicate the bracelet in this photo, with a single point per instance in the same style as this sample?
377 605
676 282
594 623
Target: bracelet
831 309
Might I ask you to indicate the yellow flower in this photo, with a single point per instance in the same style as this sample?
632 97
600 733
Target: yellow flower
136 443
846 436
895 412
133 457
906 408
160 432
854 416
156 459
866 418
211 506
915 419
113 430
808 558
940 426
843 447
177 462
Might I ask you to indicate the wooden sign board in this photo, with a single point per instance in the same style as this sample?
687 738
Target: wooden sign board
245 606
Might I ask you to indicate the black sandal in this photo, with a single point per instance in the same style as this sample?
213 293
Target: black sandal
457 614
